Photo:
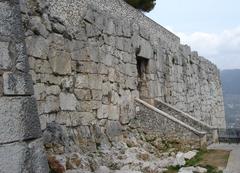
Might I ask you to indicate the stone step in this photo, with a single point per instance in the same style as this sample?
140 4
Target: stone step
188 119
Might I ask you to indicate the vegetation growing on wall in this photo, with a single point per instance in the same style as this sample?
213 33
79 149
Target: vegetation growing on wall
144 5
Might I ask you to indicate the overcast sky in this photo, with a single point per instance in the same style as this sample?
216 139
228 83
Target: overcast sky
212 27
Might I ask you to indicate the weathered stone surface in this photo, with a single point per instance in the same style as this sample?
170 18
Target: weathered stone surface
74 161
20 56
143 48
23 157
180 159
5 60
82 81
110 27
83 94
58 28
17 84
1 86
7 18
189 155
52 104
37 47
114 129
67 83
82 118
37 26
19 119
109 111
90 54
53 90
40 91
60 62
192 170
8 162
96 94
37 161
68 101
103 169
86 54
95 81
126 171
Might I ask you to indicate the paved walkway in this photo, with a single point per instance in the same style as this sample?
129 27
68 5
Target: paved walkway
233 165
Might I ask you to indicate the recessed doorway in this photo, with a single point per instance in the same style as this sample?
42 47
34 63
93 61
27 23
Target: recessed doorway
142 68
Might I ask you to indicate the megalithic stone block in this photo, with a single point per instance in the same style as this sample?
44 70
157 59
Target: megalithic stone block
18 119
23 157
5 60
6 19
10 20
17 84
21 149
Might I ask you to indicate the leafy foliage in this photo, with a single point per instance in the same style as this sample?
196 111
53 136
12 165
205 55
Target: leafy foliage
144 5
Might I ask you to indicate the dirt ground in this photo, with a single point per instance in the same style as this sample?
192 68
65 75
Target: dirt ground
215 158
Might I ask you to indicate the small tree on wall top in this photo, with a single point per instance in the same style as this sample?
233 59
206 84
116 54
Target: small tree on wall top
144 5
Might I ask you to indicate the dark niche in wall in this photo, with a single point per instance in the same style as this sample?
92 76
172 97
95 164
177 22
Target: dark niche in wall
142 68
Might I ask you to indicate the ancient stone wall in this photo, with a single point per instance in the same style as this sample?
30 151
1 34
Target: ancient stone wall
21 147
89 60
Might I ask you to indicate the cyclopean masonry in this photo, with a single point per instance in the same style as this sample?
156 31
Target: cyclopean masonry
102 73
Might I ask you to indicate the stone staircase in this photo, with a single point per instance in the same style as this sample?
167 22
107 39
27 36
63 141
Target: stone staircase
211 132
174 120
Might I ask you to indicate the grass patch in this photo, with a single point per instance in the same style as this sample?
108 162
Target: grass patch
172 169
199 157
212 169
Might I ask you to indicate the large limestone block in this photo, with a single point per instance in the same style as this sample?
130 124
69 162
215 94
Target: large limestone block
143 47
18 119
68 102
23 158
1 86
82 81
83 94
37 26
60 62
109 111
113 129
17 84
52 104
6 19
37 47
5 60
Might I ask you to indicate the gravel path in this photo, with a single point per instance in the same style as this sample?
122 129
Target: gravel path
233 165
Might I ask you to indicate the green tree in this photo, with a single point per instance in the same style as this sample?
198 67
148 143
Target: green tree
144 5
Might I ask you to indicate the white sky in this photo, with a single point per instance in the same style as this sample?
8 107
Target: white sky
212 27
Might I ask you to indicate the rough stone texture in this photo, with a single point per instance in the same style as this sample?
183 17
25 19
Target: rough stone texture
17 84
150 121
60 62
99 57
88 61
23 158
37 47
5 60
21 148
67 102
19 119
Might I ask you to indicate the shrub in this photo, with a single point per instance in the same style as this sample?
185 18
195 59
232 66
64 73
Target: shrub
144 5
